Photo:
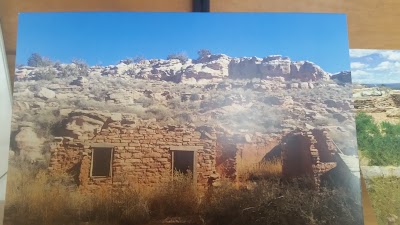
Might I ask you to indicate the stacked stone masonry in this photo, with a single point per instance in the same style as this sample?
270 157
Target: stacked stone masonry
307 153
141 155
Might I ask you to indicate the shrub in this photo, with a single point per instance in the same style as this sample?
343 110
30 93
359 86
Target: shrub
378 142
274 202
159 112
45 123
145 101
37 60
83 68
203 53
177 197
131 72
127 61
45 73
195 97
39 197
36 196
180 56
70 71
33 196
138 59
261 170
34 60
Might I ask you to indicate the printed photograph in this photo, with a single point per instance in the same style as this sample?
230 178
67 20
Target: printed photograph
183 118
376 79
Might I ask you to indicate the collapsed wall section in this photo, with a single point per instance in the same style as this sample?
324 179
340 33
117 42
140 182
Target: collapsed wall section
396 98
307 153
238 152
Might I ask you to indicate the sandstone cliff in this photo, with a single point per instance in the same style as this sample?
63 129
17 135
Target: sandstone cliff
205 69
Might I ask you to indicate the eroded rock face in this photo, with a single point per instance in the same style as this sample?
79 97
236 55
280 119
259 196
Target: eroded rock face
80 81
210 67
207 68
45 94
307 71
275 66
123 96
82 124
343 77
245 67
29 144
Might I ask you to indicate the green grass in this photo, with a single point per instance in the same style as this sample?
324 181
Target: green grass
380 143
385 197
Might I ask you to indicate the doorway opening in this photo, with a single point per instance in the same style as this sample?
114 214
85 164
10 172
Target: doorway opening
183 162
101 162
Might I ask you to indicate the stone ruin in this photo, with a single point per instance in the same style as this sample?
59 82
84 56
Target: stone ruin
121 155
307 153
304 153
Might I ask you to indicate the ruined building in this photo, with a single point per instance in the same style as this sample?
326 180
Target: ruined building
122 154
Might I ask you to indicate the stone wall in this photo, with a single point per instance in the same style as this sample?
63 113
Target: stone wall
307 153
396 99
141 154
235 152
364 104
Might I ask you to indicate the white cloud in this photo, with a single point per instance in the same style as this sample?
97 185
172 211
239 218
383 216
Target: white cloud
359 73
387 66
358 53
358 65
382 66
371 69
361 76
391 55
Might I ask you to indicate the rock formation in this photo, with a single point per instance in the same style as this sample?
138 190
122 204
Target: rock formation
344 76
28 144
206 68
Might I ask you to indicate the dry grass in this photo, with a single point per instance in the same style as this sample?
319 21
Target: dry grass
385 196
279 203
35 196
261 170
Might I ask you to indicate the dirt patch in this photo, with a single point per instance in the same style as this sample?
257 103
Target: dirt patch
1 212
382 117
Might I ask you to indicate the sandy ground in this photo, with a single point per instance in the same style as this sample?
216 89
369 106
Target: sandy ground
380 117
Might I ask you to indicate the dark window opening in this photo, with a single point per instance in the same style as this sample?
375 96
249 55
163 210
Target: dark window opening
183 161
101 162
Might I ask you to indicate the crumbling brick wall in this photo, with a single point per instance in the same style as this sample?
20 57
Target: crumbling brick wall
141 155
307 153
364 104
396 99
235 152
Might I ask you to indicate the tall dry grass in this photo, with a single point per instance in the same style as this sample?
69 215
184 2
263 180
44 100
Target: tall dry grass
275 202
259 171
34 195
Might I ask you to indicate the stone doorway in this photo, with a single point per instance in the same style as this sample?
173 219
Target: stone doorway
297 157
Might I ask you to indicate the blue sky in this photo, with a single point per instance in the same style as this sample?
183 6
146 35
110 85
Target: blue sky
370 66
106 38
